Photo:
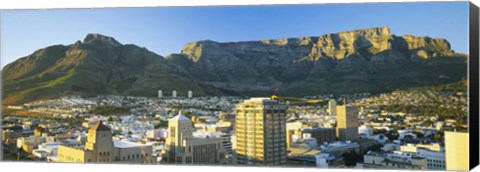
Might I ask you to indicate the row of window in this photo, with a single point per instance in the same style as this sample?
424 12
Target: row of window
128 157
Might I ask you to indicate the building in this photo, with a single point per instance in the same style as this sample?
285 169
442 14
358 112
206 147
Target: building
174 94
160 94
347 122
379 160
101 148
190 94
38 131
366 131
457 151
29 143
302 157
332 107
338 148
8 136
183 148
260 132
319 134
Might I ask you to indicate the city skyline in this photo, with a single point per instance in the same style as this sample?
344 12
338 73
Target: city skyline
167 30
360 86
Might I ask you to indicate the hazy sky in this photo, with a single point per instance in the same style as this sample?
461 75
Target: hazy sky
165 30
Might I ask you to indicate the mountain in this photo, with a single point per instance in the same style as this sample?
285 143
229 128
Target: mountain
368 60
97 65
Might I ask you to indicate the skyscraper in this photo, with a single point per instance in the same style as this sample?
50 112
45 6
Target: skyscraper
347 122
160 94
457 151
332 107
174 93
261 132
190 94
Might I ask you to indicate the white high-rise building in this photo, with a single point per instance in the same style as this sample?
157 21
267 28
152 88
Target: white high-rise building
174 94
160 94
332 107
190 94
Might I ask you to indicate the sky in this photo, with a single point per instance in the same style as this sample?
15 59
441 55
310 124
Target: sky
165 30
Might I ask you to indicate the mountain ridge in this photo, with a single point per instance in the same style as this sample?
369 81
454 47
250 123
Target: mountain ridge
327 63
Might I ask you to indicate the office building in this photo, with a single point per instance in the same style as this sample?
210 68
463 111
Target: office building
347 123
457 151
160 94
182 147
332 107
190 94
260 132
174 94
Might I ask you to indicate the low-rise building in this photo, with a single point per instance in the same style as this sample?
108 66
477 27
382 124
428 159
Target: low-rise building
380 160
182 147
101 148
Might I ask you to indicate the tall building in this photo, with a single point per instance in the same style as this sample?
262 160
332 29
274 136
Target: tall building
190 94
183 148
457 151
332 107
174 93
160 94
101 148
347 122
260 132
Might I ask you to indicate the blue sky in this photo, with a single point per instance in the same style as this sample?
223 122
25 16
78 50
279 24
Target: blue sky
165 30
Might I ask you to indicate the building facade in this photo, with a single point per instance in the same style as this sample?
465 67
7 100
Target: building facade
347 122
457 151
332 107
101 148
183 148
261 132
321 135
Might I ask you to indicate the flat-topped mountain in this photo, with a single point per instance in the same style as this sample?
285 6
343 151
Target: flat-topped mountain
369 60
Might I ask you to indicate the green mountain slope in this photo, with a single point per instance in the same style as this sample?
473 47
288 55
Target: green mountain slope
369 60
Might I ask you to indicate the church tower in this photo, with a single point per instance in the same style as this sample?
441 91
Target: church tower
179 130
100 142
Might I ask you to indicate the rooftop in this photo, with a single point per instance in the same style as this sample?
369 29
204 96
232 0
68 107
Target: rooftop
99 127
180 117
300 151
124 144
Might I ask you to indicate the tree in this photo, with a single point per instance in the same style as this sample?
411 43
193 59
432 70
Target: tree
427 123
334 125
392 135
351 158
376 147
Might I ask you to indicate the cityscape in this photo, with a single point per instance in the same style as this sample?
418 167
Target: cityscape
344 86
315 131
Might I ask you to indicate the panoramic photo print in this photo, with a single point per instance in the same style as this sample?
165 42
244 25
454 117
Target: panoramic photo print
353 86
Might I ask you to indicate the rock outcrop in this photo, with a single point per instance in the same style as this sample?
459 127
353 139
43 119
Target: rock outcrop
369 60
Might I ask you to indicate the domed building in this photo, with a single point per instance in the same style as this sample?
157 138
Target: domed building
101 148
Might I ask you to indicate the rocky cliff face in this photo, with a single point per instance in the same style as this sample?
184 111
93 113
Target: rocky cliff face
327 62
368 60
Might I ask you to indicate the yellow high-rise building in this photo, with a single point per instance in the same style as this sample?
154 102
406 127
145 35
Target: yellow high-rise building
261 132
347 123
457 151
